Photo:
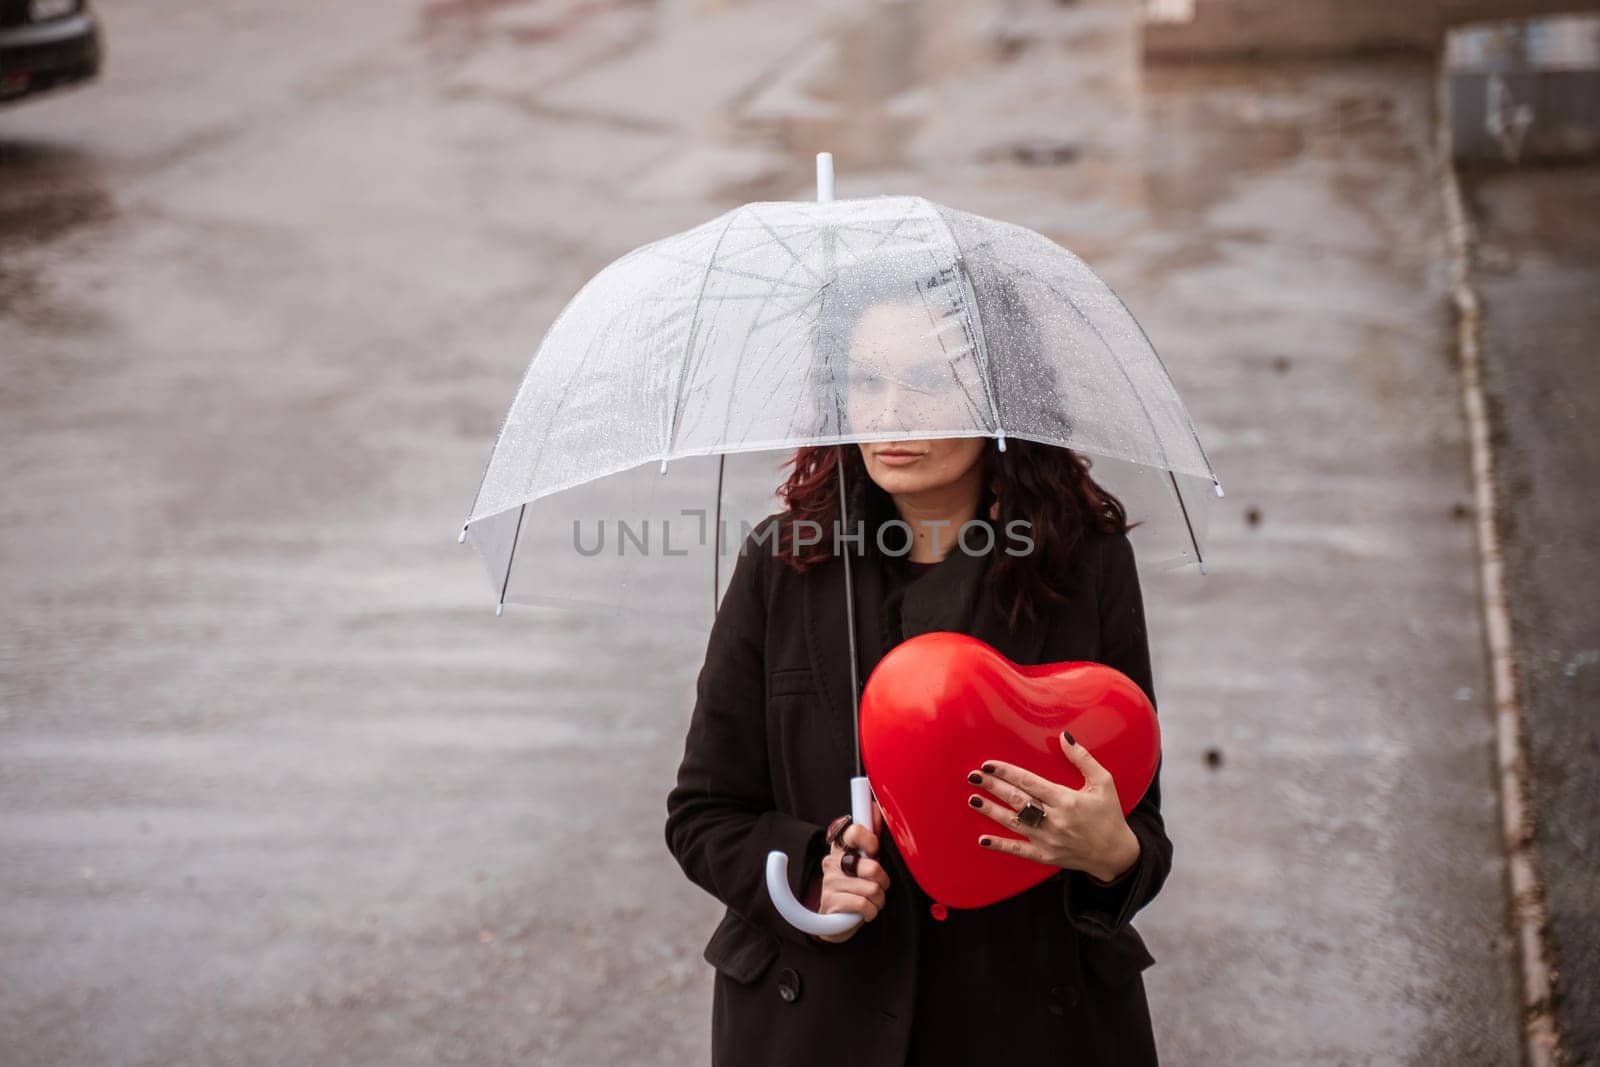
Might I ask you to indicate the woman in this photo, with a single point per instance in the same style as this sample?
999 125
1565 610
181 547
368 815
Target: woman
1048 976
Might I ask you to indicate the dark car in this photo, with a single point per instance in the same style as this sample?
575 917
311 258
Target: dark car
45 44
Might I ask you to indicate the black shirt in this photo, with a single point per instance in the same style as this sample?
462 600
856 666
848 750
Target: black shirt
958 974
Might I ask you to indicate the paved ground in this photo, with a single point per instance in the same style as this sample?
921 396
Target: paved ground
275 784
1538 274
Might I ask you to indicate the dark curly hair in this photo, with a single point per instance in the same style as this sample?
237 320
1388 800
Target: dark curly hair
1047 486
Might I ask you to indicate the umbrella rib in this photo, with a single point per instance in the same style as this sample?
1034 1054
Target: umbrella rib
688 344
716 535
785 246
816 294
725 298
527 377
772 393
765 298
1166 460
727 415
560 399
973 408
1168 375
772 353
1193 540
974 321
687 262
848 227
883 236
791 311
512 554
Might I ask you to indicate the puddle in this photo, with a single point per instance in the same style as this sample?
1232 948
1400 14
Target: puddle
47 192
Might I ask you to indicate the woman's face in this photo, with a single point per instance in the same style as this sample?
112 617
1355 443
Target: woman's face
903 377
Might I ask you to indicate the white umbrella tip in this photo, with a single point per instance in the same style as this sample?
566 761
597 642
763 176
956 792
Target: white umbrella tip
500 609
461 538
824 176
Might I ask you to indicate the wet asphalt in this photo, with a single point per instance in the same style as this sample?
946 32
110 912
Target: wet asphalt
276 785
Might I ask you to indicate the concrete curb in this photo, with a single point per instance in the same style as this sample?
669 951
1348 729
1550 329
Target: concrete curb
1542 1043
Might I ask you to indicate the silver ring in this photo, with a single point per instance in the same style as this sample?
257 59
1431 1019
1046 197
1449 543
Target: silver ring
1031 815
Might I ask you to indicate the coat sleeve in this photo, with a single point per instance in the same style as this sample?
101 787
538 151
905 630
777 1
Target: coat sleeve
1094 907
721 817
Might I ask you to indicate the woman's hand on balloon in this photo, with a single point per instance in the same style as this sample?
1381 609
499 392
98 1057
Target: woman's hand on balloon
863 894
1083 829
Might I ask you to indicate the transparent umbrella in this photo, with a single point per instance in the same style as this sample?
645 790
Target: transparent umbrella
783 324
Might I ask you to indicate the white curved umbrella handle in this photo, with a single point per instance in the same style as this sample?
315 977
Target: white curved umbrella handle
799 916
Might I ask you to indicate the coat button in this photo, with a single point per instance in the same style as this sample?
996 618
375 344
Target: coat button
789 985
1060 997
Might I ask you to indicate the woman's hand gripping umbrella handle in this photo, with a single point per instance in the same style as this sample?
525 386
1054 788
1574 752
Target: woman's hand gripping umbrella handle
799 916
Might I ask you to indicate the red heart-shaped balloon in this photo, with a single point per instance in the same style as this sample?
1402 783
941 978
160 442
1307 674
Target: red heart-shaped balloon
939 705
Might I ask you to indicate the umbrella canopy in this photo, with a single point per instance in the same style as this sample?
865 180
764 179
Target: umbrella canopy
782 324
779 325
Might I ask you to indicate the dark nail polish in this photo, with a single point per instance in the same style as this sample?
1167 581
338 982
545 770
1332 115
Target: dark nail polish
988 768
984 841
975 778
976 802
1070 739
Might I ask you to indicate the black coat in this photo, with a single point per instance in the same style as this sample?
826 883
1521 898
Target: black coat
767 764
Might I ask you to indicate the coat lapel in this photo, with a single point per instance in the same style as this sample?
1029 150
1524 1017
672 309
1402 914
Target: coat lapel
828 640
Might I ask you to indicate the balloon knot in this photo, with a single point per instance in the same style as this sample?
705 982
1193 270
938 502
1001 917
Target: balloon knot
940 912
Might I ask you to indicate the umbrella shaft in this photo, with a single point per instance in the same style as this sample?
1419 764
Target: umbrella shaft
850 617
